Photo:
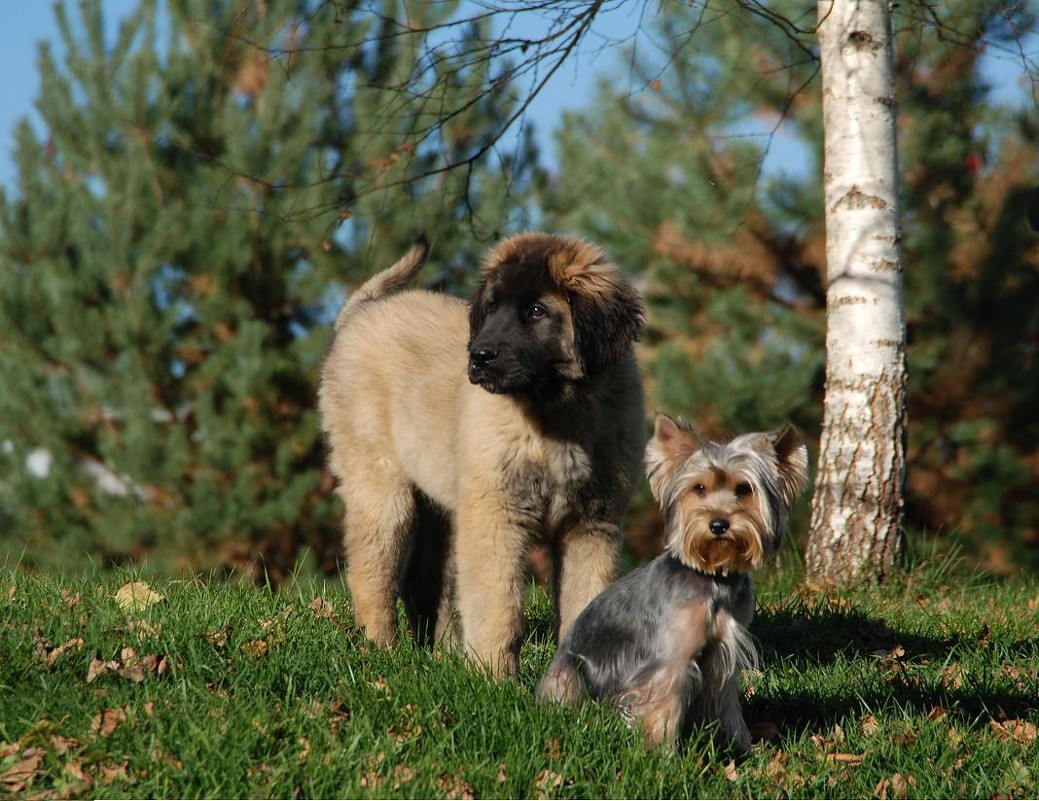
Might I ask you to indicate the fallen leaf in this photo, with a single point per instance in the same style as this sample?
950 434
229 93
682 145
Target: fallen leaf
134 673
1020 731
160 756
255 648
62 745
107 721
545 782
22 774
136 596
110 772
870 725
777 766
100 668
402 774
730 771
846 759
74 644
75 771
321 608
900 784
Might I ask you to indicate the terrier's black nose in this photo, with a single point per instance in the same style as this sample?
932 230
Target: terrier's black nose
719 526
480 357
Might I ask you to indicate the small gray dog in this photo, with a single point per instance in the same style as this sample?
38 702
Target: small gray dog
666 643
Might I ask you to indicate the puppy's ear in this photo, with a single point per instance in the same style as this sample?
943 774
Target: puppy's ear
672 444
608 315
792 459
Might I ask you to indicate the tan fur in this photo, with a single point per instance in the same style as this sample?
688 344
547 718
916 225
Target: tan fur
400 414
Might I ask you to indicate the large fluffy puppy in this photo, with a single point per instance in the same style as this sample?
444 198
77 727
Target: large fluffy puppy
463 435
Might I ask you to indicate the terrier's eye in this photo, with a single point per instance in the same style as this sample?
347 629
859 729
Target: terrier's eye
744 490
700 490
536 312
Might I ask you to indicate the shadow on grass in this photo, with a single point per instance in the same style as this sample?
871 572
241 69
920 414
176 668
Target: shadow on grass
960 676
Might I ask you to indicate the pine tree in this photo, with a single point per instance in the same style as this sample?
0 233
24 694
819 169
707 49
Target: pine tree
177 243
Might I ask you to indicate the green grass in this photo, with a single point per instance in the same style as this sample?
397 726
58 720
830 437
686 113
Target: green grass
926 687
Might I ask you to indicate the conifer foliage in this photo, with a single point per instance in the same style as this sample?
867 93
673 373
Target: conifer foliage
179 237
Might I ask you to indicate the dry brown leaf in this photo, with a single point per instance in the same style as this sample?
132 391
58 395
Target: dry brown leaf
134 673
321 608
846 759
75 771
255 648
136 596
870 725
107 721
730 771
62 745
900 784
160 756
52 655
1020 731
110 772
22 774
99 668
219 637
777 766
402 774
545 782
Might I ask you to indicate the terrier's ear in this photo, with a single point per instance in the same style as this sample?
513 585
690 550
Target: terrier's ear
672 444
792 460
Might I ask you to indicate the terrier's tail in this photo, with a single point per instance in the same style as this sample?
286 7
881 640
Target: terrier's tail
390 280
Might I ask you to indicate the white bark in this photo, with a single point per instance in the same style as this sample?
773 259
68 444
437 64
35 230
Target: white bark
857 507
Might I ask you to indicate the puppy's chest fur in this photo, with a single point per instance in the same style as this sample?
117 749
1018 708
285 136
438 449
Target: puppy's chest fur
549 481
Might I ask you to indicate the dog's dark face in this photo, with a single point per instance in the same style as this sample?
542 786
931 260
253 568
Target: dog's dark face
548 310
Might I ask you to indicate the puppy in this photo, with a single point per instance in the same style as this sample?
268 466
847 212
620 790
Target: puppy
465 434
666 643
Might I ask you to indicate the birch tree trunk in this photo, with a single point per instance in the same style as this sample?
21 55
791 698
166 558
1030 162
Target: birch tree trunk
856 526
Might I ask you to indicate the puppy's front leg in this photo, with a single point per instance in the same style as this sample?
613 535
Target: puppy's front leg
720 701
490 558
585 564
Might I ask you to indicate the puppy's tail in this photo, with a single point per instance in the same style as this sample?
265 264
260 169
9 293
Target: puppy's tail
390 280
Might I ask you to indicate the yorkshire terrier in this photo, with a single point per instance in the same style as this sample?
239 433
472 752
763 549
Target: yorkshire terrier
666 643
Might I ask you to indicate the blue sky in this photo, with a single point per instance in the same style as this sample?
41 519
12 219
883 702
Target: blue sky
25 23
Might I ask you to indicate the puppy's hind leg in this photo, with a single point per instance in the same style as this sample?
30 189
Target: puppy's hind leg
380 511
